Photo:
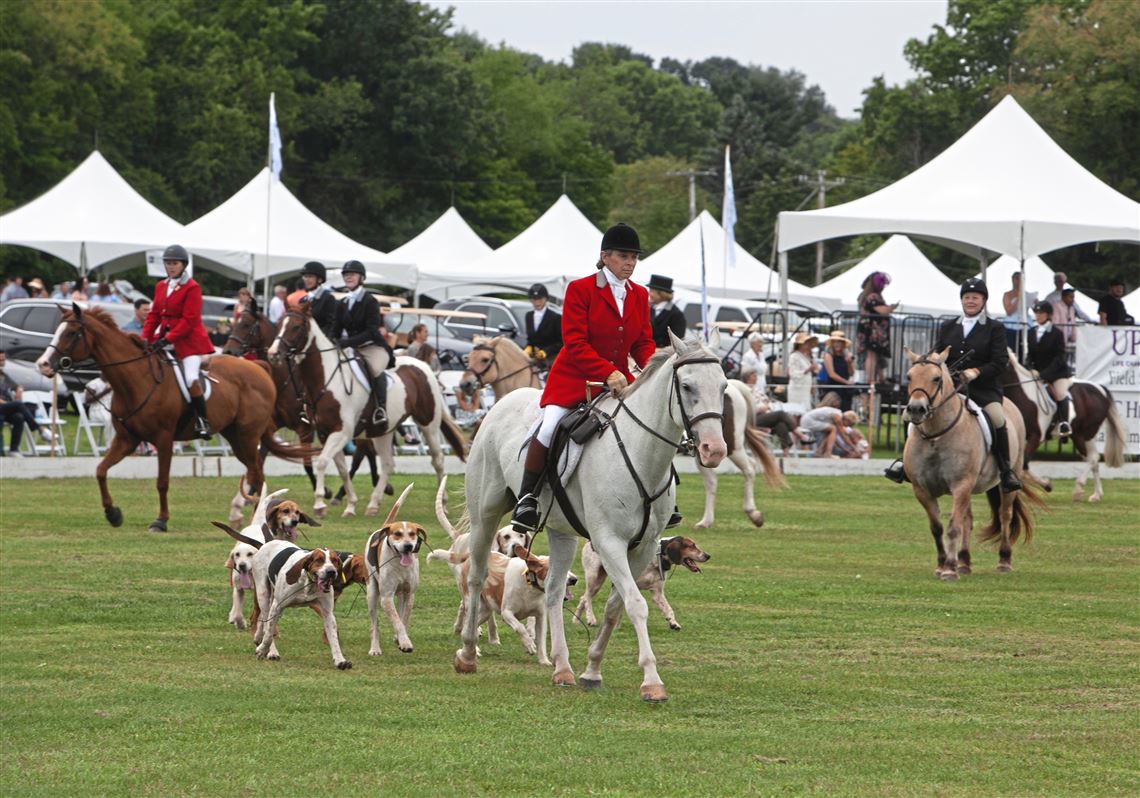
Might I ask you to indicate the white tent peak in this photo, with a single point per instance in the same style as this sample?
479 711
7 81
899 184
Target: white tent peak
296 235
91 218
1005 186
446 243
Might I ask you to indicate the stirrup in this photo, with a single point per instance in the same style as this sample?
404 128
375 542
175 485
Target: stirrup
1009 482
202 428
525 517
675 519
1064 430
380 416
895 472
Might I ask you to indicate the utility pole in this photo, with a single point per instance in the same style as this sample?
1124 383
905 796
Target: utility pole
692 174
821 187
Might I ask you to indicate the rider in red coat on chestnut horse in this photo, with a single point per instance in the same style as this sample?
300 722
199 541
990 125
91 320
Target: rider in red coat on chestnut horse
175 321
605 320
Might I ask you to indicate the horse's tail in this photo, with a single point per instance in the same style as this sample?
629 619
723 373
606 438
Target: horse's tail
755 441
1023 521
452 434
294 453
1114 435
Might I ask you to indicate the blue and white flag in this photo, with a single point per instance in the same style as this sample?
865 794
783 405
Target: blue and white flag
274 142
728 212
704 287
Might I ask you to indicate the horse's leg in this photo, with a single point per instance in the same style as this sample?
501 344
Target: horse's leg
1093 459
611 617
384 450
563 548
930 504
1005 518
964 548
430 435
346 483
122 444
1083 451
744 463
334 446
709 476
482 535
959 519
248 454
165 448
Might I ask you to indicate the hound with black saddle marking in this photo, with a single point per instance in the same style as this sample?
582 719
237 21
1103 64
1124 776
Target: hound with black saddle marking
394 574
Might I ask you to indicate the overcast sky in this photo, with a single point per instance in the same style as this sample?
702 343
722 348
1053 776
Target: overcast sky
838 45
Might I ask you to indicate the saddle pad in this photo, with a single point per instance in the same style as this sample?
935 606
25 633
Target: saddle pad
181 379
358 371
983 424
571 455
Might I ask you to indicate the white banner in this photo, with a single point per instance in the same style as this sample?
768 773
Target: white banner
1110 356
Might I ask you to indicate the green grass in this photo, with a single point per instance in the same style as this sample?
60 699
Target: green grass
818 655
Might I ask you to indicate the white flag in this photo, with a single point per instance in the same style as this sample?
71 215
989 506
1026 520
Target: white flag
274 141
704 288
728 212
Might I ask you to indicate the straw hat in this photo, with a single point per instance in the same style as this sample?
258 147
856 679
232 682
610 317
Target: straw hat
36 283
803 338
837 335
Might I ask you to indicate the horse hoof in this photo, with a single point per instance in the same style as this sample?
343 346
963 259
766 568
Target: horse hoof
335 502
461 665
702 525
349 512
1094 499
964 570
1078 495
344 665
1048 485
563 679
370 510
948 576
114 516
654 693
1004 567
389 490
320 512
157 525
591 684
757 518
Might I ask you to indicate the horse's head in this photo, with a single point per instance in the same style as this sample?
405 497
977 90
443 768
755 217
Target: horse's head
70 344
699 383
927 380
482 365
247 334
292 333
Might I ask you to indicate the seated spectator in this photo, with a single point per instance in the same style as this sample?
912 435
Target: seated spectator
838 365
469 409
135 325
36 289
770 416
103 293
862 448
14 289
62 291
14 412
753 359
826 423
419 348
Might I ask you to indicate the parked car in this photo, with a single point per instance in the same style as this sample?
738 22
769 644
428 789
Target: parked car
217 307
28 325
452 351
504 316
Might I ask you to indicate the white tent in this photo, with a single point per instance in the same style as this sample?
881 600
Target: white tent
445 247
1038 280
1131 304
560 246
680 259
296 235
916 283
94 219
1004 187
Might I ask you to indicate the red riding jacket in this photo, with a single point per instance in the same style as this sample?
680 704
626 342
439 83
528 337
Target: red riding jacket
178 317
596 339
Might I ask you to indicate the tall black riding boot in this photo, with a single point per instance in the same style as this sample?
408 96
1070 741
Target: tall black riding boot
380 396
676 518
201 418
525 517
1009 481
1063 428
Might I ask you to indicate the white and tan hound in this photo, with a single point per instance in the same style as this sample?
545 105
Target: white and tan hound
394 575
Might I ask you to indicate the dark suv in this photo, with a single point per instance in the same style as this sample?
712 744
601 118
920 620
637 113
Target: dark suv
504 317
28 325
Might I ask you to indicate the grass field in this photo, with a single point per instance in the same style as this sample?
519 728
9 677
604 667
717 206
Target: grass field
818 655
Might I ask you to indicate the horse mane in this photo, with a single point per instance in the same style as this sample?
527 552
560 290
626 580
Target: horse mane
102 316
656 361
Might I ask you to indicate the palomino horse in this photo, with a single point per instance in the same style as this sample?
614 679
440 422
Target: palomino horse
148 405
1093 407
741 434
622 493
944 456
498 363
339 401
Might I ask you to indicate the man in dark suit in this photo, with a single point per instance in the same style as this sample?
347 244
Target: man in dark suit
1047 357
543 327
362 327
665 315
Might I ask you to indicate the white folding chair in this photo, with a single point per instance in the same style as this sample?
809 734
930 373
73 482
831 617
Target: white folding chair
42 401
98 432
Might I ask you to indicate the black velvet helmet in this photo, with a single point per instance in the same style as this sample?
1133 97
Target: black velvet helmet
354 267
316 269
621 237
976 285
1044 306
176 252
538 291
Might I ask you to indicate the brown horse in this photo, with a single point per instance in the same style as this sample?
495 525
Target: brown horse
1093 408
498 363
946 454
148 405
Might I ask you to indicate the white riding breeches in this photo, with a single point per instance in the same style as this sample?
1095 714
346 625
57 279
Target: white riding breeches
191 365
1060 388
375 356
551 415
996 414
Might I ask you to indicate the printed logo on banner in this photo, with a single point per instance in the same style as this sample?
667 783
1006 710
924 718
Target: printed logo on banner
1110 356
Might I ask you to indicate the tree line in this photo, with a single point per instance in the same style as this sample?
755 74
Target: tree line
390 114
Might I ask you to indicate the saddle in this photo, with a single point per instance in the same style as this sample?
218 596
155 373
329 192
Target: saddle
204 378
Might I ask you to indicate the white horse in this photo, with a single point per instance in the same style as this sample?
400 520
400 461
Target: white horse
339 400
742 434
622 492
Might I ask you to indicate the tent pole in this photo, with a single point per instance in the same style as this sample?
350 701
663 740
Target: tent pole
1023 317
787 343
83 259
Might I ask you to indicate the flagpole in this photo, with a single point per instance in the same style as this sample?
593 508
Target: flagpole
273 166
704 287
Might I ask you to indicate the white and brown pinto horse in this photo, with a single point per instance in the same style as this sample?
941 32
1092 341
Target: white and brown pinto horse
622 494
341 402
1093 408
946 454
741 435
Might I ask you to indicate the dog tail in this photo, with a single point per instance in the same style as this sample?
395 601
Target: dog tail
396 507
441 509
263 505
447 556
238 536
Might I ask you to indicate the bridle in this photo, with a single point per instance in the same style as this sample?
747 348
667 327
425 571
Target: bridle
931 400
493 363
291 351
251 342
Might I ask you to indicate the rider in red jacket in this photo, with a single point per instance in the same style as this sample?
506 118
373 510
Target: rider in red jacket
605 320
175 322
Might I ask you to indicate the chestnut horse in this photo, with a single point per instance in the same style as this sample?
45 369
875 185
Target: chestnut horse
148 405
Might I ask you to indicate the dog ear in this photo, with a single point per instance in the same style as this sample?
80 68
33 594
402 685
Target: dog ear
421 538
380 533
673 549
306 520
230 561
295 572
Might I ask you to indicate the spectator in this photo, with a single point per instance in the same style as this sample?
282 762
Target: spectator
244 300
874 331
837 364
861 449
801 371
36 289
768 416
664 315
469 408
14 289
1066 313
14 412
826 423
79 290
103 294
62 291
419 348
1111 308
543 328
1016 318
753 360
277 305
135 325
1054 296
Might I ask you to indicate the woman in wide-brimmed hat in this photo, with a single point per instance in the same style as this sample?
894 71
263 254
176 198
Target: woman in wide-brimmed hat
802 370
837 365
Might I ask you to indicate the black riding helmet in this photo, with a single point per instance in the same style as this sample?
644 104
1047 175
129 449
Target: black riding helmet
176 252
538 291
316 269
1044 306
621 237
354 267
976 285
